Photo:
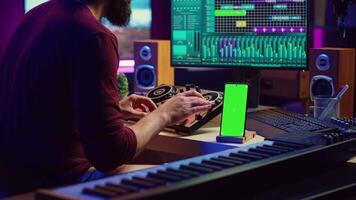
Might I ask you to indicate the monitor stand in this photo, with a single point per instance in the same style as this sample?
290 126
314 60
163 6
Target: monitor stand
252 77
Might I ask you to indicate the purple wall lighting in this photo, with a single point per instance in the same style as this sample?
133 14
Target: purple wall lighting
318 39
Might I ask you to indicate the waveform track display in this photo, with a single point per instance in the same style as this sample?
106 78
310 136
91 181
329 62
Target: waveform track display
256 51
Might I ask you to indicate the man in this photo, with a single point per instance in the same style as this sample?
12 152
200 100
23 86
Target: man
59 110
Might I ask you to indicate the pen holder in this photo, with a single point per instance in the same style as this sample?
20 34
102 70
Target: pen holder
321 103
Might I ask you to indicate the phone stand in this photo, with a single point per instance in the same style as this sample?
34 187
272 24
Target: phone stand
249 135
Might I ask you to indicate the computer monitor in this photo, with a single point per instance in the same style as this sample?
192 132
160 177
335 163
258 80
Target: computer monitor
240 33
139 27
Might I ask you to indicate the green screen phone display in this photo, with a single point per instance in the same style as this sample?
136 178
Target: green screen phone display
234 110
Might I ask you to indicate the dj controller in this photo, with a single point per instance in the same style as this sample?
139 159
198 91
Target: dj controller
162 93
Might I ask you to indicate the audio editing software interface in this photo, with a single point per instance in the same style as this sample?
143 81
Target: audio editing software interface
249 33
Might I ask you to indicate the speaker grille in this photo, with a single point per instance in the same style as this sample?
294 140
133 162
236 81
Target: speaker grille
322 86
145 76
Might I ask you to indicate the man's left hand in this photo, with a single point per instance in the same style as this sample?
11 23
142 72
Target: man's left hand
136 107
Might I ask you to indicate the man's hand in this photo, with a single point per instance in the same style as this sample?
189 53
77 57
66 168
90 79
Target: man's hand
136 107
180 107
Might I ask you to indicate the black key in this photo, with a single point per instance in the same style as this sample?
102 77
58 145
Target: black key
213 167
287 144
182 175
138 183
164 177
280 147
257 154
246 155
265 151
124 186
284 147
196 168
244 160
234 162
99 192
152 180
218 163
192 173
275 149
118 191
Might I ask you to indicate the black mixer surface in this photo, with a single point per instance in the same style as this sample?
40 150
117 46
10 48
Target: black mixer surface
162 93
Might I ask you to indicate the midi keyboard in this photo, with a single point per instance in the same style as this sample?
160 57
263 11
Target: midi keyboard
216 173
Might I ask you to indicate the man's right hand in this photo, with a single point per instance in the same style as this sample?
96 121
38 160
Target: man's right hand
183 105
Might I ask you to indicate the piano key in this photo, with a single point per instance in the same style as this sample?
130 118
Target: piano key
287 144
182 175
152 180
275 148
118 191
257 154
138 183
192 173
281 147
219 163
244 160
164 177
124 186
235 162
246 155
196 168
265 151
99 192
213 167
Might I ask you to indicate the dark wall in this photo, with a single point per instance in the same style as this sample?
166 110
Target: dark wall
161 19
11 13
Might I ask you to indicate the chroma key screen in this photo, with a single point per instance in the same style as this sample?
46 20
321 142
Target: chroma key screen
248 33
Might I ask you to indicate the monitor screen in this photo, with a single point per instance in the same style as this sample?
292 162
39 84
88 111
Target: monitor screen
139 27
240 33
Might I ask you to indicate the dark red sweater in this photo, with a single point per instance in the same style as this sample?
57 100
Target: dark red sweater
59 111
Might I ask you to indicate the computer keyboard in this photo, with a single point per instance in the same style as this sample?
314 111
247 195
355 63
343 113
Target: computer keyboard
291 122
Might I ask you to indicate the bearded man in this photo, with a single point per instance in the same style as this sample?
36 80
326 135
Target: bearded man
60 116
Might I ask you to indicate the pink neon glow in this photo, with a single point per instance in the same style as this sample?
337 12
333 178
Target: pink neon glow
127 66
318 37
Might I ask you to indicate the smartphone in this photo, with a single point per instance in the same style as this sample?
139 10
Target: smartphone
233 120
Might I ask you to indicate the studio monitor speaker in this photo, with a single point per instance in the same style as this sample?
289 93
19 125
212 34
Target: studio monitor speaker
330 69
152 64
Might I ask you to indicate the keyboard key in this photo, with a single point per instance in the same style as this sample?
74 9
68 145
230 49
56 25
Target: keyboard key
246 155
192 173
164 177
244 160
266 151
287 144
124 186
275 149
219 163
99 192
118 191
183 176
213 167
282 147
235 162
257 154
152 180
138 183
197 169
